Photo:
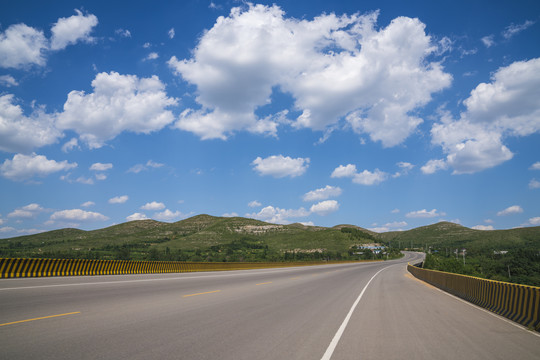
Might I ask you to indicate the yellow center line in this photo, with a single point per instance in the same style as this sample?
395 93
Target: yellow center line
264 283
203 293
40 318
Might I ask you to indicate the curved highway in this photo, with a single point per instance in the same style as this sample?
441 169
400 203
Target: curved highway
349 311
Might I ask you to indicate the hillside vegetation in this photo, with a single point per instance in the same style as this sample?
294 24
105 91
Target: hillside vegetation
200 238
508 255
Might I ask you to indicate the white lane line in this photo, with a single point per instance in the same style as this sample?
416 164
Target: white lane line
330 350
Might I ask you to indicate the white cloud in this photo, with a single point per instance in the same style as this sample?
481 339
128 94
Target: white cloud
393 226
21 46
535 221
395 211
101 177
119 199
365 177
28 211
19 133
324 208
171 33
101 167
119 103
23 167
6 229
505 107
424 214
84 180
88 204
488 41
70 145
233 214
370 178
534 184
154 205
123 33
334 67
489 221
168 215
535 166
280 166
136 216
433 166
277 215
515 209
69 31
77 215
344 171
405 168
254 203
483 227
143 167
8 81
152 56
322 194
514 29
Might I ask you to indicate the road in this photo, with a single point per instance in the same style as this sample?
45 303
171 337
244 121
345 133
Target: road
346 311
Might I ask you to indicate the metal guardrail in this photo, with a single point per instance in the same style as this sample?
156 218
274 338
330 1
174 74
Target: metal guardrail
519 303
17 268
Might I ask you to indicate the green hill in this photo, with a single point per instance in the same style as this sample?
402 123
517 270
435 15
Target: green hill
210 238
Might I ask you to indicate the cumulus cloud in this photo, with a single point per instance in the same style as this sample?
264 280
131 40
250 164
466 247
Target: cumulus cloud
483 227
168 215
88 204
433 166
507 106
136 216
28 211
70 145
392 226
77 215
367 177
277 215
323 193
101 167
119 199
535 221
171 33
254 203
151 56
335 67
344 171
21 46
20 133
405 168
535 166
144 167
154 205
515 209
324 208
123 33
280 166
534 184
119 103
233 214
424 214
23 167
69 31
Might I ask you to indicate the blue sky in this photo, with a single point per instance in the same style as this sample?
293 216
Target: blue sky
384 114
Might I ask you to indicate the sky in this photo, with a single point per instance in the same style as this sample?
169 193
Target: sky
383 114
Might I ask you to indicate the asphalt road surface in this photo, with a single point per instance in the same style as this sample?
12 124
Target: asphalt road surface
349 311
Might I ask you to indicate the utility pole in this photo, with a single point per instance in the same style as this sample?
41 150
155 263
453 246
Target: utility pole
464 257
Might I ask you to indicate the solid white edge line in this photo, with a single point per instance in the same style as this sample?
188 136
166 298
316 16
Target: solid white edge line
330 350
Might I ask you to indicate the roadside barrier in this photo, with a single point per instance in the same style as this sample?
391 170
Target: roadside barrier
519 303
17 268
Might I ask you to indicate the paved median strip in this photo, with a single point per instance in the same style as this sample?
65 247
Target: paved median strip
39 318
203 293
